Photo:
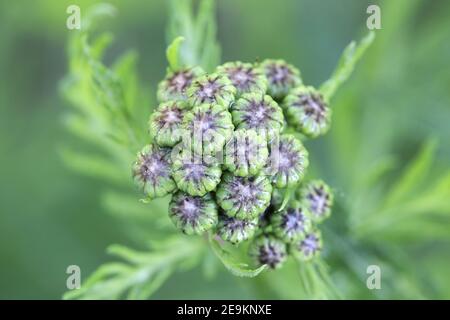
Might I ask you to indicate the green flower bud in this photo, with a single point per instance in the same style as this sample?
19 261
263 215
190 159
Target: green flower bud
235 230
193 215
258 112
213 88
292 223
243 198
151 171
318 198
194 175
307 110
288 161
246 153
174 86
166 123
244 76
310 246
267 249
281 77
209 126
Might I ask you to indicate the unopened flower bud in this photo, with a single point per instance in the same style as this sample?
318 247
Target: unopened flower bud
243 198
307 110
195 175
317 196
258 112
310 246
288 161
210 127
151 171
174 86
246 153
193 215
213 88
268 250
244 76
281 77
166 123
291 224
236 230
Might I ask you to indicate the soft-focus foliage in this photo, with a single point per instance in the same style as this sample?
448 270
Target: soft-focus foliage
386 155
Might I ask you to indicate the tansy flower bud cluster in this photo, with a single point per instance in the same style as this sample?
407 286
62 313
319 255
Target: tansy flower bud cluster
225 146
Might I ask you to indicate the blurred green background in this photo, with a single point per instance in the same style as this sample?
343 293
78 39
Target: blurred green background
399 96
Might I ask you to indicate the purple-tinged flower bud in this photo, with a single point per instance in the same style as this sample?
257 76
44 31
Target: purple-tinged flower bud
166 123
281 77
213 88
244 76
235 230
209 126
288 161
243 198
151 171
195 175
307 110
193 215
258 112
317 196
268 250
246 153
291 224
174 86
310 246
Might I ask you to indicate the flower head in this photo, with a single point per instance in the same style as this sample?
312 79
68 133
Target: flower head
266 249
310 246
209 126
235 230
166 123
288 161
258 112
244 76
307 110
174 86
281 77
243 198
291 224
151 171
246 153
193 215
212 88
195 175
317 196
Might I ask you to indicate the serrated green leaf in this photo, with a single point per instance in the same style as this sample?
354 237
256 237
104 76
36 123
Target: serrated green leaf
141 274
94 166
173 53
100 44
351 55
96 13
200 46
206 30
414 174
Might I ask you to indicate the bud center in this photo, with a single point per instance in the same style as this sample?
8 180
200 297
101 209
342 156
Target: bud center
180 81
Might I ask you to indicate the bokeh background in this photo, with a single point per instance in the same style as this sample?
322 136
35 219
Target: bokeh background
398 98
